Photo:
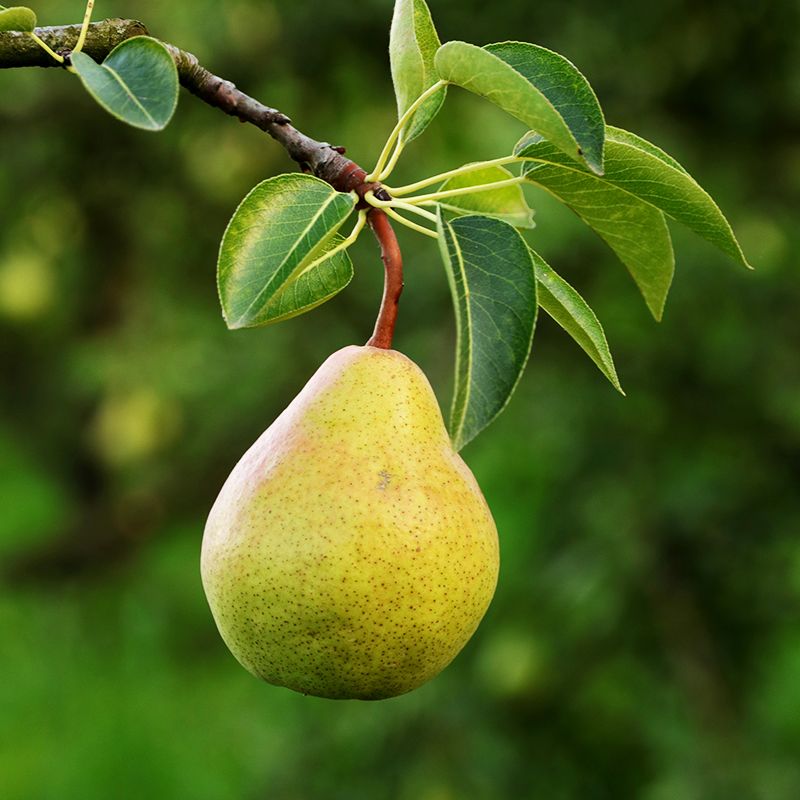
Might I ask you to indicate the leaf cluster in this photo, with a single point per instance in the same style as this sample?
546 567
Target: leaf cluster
623 187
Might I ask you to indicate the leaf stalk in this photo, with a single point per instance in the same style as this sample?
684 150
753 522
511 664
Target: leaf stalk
433 197
382 169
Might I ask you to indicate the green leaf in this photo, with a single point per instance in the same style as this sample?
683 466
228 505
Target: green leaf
573 314
490 271
507 203
537 86
281 227
626 137
137 83
648 172
17 18
413 43
312 287
635 230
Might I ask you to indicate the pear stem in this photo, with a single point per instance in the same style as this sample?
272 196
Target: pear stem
393 278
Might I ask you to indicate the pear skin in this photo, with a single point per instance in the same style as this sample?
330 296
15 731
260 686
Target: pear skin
350 553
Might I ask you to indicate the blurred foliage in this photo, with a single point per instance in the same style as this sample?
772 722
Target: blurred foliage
645 637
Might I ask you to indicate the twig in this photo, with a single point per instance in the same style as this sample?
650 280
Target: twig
19 50
320 158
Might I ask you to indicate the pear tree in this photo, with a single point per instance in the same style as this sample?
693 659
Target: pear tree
387 560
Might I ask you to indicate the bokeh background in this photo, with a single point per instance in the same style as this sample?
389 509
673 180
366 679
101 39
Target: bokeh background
644 641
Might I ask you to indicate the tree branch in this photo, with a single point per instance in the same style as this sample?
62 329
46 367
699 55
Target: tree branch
320 158
19 50
323 160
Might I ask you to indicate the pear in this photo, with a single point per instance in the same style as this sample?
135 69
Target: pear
350 553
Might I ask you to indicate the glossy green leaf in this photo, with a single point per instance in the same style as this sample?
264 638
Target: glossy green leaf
626 137
635 230
17 18
507 203
648 172
413 43
643 170
490 271
312 287
560 301
281 227
137 83
537 86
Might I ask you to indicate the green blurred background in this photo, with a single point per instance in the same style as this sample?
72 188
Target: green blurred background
644 641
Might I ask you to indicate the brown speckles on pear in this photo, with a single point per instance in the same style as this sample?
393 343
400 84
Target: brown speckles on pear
350 554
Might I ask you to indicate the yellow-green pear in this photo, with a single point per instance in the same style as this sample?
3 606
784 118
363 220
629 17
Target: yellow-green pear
350 554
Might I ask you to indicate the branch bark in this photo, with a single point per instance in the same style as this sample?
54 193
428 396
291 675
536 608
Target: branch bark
320 158
325 161
19 50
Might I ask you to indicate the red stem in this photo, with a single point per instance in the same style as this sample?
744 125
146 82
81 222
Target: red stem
393 280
